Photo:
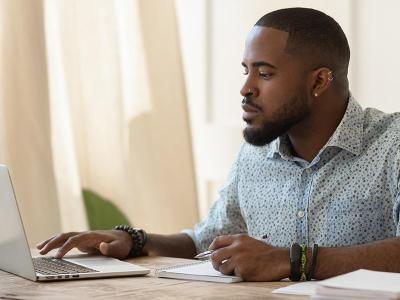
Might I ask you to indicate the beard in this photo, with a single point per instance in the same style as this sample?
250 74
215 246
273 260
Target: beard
290 114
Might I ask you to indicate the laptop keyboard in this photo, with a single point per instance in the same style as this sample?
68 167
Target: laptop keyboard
54 266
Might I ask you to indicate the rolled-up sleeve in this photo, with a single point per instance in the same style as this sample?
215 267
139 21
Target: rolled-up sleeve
224 217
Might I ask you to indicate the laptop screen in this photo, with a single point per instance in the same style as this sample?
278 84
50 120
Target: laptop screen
15 256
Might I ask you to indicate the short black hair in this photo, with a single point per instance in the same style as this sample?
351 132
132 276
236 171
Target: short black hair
314 35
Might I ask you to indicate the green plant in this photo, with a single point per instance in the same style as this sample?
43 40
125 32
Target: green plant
101 212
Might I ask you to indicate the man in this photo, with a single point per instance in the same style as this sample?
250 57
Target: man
315 167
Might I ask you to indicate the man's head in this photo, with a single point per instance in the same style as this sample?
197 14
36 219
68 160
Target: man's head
292 58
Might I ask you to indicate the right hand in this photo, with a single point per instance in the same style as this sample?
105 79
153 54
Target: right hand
114 243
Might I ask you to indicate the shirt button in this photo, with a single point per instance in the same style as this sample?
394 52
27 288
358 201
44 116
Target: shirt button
300 214
309 171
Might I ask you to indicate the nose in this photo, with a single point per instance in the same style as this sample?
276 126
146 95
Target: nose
248 91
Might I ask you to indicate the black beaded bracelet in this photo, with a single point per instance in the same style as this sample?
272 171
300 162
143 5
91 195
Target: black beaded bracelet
139 238
295 256
313 262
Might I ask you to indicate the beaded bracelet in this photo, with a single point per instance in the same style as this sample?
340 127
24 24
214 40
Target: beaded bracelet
139 238
313 262
295 256
303 262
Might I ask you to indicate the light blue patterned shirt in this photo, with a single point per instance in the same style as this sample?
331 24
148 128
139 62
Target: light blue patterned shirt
349 194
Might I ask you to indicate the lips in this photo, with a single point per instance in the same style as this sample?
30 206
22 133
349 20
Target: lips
249 112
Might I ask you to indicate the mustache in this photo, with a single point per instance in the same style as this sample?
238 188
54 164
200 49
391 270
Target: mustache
248 101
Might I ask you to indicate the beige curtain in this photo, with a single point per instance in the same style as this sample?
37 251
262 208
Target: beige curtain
92 96
25 120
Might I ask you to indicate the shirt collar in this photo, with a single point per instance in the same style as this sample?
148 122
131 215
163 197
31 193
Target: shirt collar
347 136
279 147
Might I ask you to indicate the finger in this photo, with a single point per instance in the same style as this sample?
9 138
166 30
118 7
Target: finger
105 248
114 249
228 267
43 243
72 242
84 240
56 242
221 241
219 256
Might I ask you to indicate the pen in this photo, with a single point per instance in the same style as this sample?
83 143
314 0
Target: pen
204 255
207 254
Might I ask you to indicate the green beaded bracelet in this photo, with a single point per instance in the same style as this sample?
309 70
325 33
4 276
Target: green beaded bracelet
303 262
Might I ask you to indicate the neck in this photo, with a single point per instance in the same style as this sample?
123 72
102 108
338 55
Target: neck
309 136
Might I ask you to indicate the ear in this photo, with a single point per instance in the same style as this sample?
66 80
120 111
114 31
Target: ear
321 80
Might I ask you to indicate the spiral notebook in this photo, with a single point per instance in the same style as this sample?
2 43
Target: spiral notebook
199 270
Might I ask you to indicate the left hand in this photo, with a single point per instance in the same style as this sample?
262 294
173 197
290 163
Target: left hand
249 258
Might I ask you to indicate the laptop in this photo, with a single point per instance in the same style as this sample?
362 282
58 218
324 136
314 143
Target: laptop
15 255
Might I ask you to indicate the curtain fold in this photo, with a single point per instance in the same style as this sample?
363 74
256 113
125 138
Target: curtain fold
95 99
25 120
65 165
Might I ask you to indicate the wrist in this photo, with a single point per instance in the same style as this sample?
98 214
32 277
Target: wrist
139 239
147 249
285 262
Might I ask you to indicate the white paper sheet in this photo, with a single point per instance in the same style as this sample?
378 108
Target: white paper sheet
304 288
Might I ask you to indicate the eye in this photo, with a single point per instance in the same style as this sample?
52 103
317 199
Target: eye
265 75
245 72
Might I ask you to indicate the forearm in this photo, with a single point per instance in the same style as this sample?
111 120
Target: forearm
380 256
174 245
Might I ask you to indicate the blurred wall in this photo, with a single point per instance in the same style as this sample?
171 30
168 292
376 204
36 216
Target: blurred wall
375 53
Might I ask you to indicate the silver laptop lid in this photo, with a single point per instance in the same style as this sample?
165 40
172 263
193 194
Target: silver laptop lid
15 256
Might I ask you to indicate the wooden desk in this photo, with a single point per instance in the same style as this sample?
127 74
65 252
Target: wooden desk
147 287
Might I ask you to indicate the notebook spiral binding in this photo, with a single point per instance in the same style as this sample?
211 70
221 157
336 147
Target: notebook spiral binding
158 270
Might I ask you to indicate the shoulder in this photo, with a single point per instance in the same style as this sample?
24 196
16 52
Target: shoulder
381 140
381 127
373 116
